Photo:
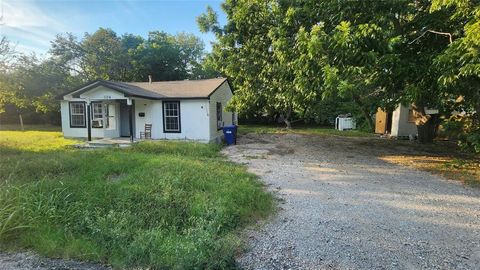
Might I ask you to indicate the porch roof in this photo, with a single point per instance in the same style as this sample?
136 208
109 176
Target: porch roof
186 89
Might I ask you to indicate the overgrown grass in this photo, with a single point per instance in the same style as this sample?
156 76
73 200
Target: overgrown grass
154 205
307 130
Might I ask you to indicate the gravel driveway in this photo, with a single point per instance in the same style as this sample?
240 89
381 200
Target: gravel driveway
342 207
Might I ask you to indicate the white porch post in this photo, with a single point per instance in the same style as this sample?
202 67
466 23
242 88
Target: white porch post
89 123
130 118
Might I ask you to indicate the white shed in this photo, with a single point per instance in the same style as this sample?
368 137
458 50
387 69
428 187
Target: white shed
400 122
182 110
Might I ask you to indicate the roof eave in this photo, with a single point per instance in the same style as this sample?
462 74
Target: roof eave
218 87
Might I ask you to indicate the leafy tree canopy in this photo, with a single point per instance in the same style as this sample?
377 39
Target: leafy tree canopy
285 57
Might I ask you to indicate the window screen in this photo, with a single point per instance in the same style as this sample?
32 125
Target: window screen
171 116
77 114
97 114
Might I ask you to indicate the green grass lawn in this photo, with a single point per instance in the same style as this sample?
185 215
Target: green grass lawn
154 205
307 130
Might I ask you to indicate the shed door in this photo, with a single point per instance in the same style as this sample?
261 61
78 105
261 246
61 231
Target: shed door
380 122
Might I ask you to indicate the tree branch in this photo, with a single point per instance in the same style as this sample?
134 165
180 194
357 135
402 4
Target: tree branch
442 33
434 32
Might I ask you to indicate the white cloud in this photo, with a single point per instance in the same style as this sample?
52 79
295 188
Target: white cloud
25 23
26 14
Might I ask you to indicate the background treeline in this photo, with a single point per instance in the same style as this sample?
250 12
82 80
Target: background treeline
288 60
296 58
29 84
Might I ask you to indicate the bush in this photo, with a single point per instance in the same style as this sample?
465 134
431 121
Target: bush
463 128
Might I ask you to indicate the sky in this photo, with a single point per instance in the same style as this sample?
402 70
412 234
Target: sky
32 24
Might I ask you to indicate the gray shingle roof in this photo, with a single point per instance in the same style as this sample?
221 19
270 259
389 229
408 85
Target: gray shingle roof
158 90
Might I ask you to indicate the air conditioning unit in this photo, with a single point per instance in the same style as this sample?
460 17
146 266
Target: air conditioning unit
97 123
345 122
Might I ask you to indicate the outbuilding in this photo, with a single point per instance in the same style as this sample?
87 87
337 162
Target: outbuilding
398 123
180 110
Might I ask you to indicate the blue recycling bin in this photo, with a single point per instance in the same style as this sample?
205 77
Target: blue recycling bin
230 133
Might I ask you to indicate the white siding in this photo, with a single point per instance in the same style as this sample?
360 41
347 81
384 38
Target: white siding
400 124
66 129
153 115
222 95
74 132
194 119
99 93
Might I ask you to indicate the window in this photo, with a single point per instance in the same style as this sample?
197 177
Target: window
219 116
77 114
97 115
171 117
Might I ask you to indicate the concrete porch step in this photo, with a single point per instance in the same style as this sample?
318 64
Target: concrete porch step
107 142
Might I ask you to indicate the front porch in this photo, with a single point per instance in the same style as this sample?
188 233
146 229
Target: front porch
110 119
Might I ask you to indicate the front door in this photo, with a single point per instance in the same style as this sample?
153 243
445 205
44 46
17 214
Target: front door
125 119
111 119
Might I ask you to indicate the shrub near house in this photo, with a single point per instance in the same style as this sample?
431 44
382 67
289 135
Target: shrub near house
157 204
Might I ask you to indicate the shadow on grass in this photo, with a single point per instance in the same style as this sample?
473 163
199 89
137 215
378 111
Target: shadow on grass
32 127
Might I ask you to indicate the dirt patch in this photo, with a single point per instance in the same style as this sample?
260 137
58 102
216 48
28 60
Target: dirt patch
115 177
281 150
344 207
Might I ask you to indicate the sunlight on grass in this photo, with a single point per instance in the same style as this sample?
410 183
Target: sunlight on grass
321 131
34 140
467 171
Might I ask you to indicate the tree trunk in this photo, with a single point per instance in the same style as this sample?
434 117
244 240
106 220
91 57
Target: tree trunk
426 124
365 113
369 119
426 132
287 118
21 122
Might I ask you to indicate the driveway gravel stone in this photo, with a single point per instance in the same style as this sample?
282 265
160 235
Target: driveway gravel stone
31 261
342 207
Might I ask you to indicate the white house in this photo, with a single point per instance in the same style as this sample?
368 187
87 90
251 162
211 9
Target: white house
188 109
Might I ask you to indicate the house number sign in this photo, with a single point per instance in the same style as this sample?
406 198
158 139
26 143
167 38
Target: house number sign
107 97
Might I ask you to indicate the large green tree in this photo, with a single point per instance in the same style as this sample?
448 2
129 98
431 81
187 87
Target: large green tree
459 65
259 51
105 55
285 56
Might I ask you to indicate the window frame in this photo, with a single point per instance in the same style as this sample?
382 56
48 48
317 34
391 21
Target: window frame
92 107
219 116
165 130
70 103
